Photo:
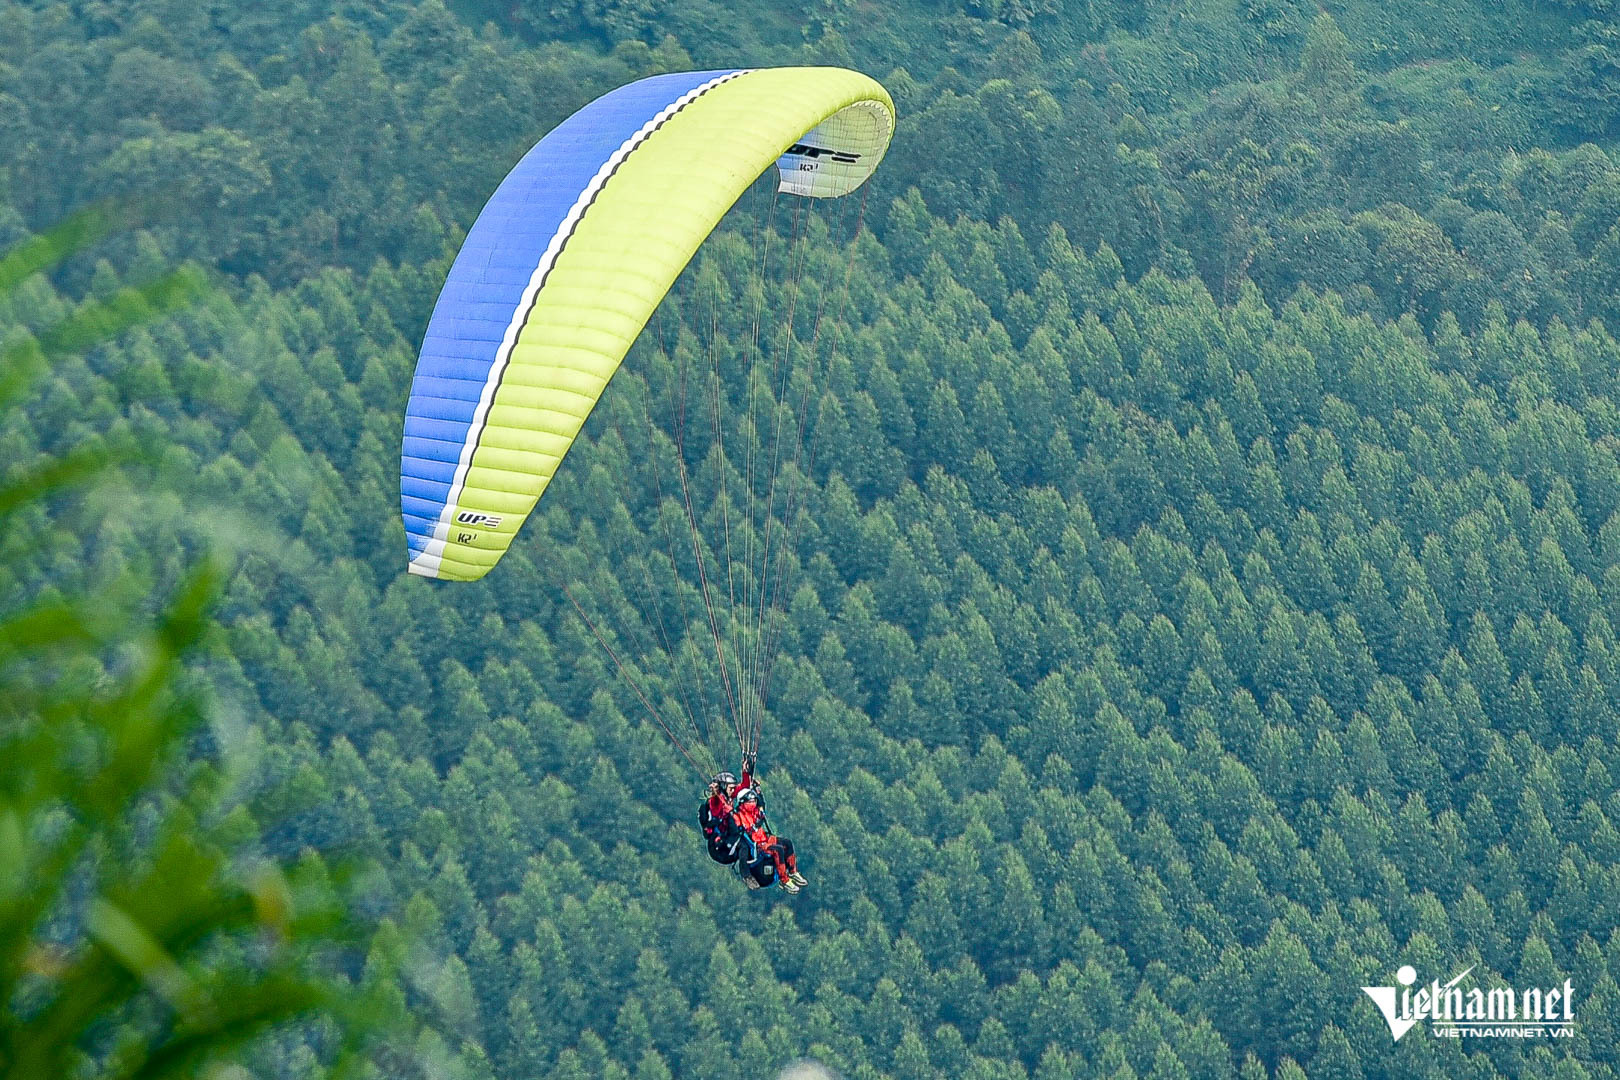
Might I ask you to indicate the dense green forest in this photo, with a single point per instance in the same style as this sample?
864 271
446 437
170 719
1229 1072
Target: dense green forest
1208 594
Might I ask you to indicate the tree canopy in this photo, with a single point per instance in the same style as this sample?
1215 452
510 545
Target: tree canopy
1207 594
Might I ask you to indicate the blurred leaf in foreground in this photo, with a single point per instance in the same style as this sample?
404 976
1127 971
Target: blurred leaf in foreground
136 940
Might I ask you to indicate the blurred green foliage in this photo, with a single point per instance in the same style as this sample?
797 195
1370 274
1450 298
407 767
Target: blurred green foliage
141 933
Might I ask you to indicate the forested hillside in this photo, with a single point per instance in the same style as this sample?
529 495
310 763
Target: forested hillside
1207 595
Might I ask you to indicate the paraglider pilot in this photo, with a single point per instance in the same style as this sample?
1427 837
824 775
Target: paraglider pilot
714 817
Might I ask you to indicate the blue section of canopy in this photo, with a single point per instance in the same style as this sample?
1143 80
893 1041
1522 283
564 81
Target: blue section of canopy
486 284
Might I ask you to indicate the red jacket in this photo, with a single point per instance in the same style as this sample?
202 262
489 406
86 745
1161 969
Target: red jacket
720 807
751 820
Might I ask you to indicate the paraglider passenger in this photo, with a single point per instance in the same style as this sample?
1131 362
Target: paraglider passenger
764 848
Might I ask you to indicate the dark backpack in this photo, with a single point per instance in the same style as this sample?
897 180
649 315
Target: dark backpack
720 835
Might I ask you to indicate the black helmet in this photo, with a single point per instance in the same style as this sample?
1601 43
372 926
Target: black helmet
724 778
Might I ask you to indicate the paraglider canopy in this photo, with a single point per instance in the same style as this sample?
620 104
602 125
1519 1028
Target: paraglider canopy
567 262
